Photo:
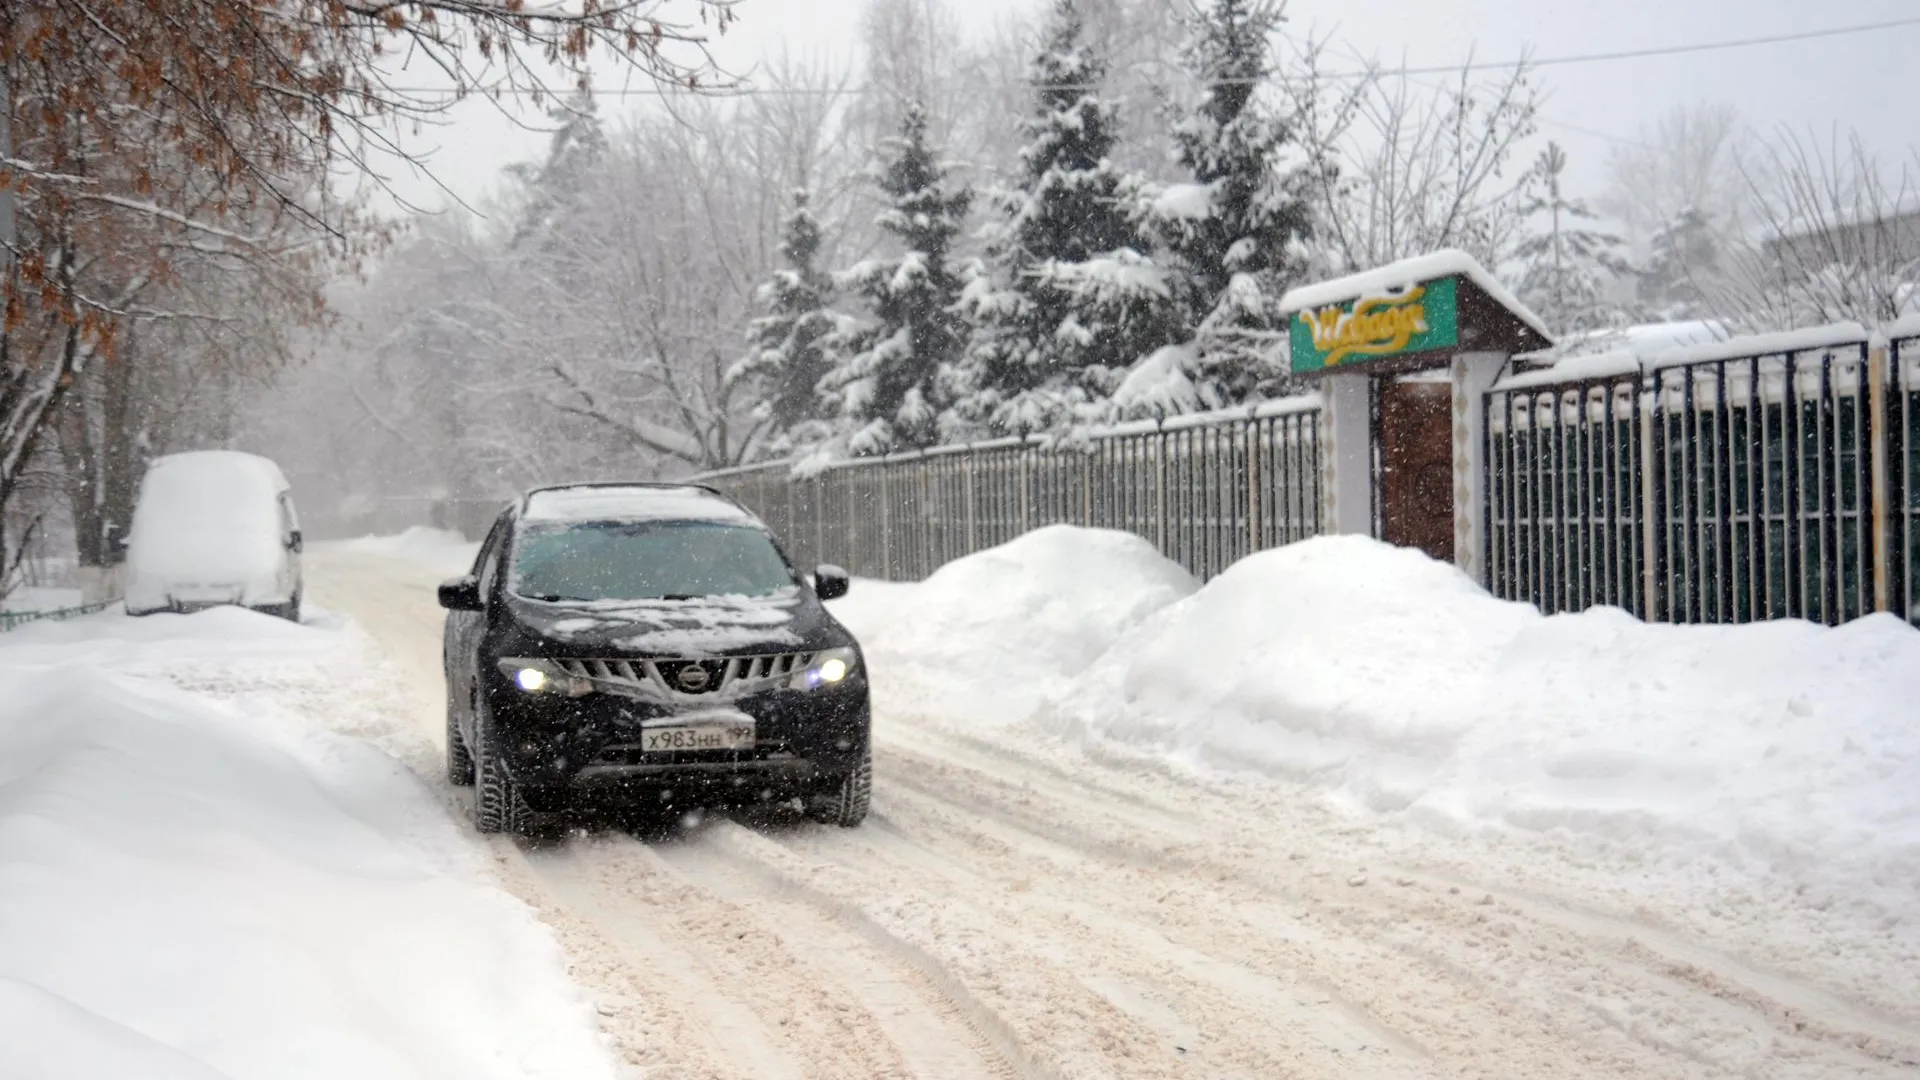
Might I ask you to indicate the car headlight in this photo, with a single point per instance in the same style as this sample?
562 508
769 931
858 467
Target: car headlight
827 667
535 676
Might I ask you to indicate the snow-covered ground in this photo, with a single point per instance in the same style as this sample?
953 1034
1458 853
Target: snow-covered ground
1680 772
1336 814
443 550
1397 686
208 869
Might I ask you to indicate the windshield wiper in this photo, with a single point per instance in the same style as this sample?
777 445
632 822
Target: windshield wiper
555 598
679 596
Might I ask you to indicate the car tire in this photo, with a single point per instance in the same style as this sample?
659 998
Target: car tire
459 760
499 806
845 803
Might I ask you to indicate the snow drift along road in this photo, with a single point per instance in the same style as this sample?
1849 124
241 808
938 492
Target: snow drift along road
987 637
205 884
1394 683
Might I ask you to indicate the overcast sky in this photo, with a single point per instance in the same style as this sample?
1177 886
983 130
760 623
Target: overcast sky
1857 81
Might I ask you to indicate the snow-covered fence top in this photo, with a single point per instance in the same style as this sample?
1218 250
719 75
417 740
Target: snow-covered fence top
1207 489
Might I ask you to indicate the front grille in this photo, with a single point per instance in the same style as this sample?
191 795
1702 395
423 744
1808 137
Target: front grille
691 676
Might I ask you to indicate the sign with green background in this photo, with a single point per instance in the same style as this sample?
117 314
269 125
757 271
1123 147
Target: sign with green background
1420 318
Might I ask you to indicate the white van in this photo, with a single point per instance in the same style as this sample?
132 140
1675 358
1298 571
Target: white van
214 527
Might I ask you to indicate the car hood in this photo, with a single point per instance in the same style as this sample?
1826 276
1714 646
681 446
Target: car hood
791 620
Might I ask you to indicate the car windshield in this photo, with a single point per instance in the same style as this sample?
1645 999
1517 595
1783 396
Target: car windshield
645 560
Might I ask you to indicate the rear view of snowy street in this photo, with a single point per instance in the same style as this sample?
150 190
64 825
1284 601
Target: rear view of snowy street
1026 906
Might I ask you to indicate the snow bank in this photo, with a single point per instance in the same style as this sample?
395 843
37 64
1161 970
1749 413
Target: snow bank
986 637
1397 684
444 551
196 886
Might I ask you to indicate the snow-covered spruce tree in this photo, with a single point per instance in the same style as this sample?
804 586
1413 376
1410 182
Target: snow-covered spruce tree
788 350
1233 236
888 385
1568 270
1069 300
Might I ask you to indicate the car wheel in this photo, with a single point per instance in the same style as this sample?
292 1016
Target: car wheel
498 803
459 761
845 803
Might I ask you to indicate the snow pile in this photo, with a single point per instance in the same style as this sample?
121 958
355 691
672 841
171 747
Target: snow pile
200 888
1398 684
444 551
986 637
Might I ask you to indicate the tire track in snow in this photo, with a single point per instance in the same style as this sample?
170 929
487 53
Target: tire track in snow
941 1029
1229 1005
1706 1012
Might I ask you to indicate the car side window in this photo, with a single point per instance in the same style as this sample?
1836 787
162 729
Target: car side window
486 565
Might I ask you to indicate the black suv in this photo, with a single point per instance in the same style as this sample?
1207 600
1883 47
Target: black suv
648 645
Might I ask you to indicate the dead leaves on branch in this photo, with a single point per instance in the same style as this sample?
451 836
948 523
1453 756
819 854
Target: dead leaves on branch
159 146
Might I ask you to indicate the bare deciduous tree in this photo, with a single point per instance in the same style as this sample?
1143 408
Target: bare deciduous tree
1402 167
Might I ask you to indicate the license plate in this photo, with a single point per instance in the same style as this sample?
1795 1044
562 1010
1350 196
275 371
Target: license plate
722 731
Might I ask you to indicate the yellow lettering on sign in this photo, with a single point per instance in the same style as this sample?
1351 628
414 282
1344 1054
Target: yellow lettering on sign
1376 326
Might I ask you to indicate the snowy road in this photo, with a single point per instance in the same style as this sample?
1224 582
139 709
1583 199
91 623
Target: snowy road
1018 912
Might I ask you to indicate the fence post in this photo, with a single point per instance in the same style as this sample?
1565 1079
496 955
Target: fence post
1250 437
1347 456
1473 375
1160 488
1877 376
973 543
886 524
1651 522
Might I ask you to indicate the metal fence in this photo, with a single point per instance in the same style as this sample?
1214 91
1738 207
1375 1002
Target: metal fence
1206 490
1717 488
11 619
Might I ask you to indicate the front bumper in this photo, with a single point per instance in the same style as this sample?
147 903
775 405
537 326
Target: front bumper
592 744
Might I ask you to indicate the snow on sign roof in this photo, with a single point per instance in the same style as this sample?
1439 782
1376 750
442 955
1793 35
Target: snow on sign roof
612 502
1396 277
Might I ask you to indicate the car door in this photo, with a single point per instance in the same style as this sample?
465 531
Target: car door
464 629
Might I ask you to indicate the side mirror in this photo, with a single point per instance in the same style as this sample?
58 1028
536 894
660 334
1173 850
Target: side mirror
117 542
830 582
294 543
460 594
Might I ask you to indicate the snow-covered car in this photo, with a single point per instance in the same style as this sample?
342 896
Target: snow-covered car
213 527
648 646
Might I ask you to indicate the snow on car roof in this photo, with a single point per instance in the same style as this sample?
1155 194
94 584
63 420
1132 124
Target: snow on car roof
613 502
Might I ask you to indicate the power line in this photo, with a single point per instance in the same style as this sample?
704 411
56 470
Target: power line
1500 65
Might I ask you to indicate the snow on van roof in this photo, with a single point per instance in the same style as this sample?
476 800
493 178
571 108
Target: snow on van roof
223 466
615 502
